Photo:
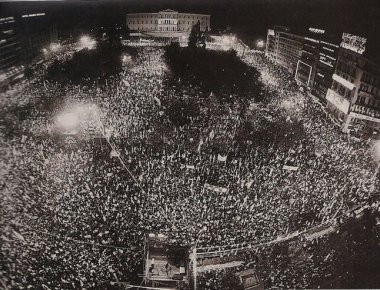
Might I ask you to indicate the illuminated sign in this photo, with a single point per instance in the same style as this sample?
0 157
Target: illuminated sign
338 101
309 69
6 19
353 42
312 39
328 43
328 49
33 15
270 32
326 63
316 30
343 82
364 117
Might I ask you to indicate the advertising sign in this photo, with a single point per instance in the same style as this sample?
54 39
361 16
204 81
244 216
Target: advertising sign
338 101
353 42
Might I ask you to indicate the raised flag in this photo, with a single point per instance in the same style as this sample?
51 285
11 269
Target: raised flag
216 188
158 101
200 145
291 168
222 158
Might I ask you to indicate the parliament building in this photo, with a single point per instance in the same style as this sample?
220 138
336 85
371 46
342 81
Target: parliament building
166 21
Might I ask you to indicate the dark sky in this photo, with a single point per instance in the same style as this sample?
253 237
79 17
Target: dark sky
252 18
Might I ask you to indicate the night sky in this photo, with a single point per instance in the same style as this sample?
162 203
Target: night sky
248 18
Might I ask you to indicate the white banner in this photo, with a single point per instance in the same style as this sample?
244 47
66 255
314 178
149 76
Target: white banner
338 101
292 168
222 158
216 188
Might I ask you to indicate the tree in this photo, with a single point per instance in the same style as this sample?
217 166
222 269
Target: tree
196 37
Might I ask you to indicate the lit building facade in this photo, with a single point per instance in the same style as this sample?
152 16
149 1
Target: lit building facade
167 21
354 97
324 69
284 48
317 62
10 49
340 75
22 38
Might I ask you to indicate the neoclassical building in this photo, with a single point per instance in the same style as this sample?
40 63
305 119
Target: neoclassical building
166 21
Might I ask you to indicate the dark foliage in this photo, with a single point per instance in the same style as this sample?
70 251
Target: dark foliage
85 64
214 71
196 37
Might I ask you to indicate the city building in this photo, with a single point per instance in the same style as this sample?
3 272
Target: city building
22 38
284 48
342 76
10 50
354 96
167 21
317 62
324 69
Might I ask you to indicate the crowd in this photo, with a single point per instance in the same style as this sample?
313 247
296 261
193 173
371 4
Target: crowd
75 214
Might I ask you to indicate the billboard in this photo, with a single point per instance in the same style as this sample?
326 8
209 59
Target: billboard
316 30
353 42
338 101
271 32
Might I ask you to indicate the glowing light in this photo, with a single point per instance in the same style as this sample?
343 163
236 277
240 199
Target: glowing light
54 47
126 58
68 121
87 42
317 30
260 43
80 117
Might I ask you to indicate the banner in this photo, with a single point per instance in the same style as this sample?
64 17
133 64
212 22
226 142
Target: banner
158 101
353 42
222 158
292 168
215 188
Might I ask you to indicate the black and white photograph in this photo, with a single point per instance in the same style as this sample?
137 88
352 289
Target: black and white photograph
189 144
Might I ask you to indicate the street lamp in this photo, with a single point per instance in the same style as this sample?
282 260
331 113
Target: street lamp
195 257
87 42
260 43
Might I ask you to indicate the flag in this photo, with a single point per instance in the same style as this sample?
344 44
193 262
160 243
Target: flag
222 158
292 168
212 134
216 188
249 183
200 145
158 101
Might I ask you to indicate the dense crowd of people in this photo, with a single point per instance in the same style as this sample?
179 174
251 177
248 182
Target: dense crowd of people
76 208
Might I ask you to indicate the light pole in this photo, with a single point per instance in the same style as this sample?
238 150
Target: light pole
195 257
